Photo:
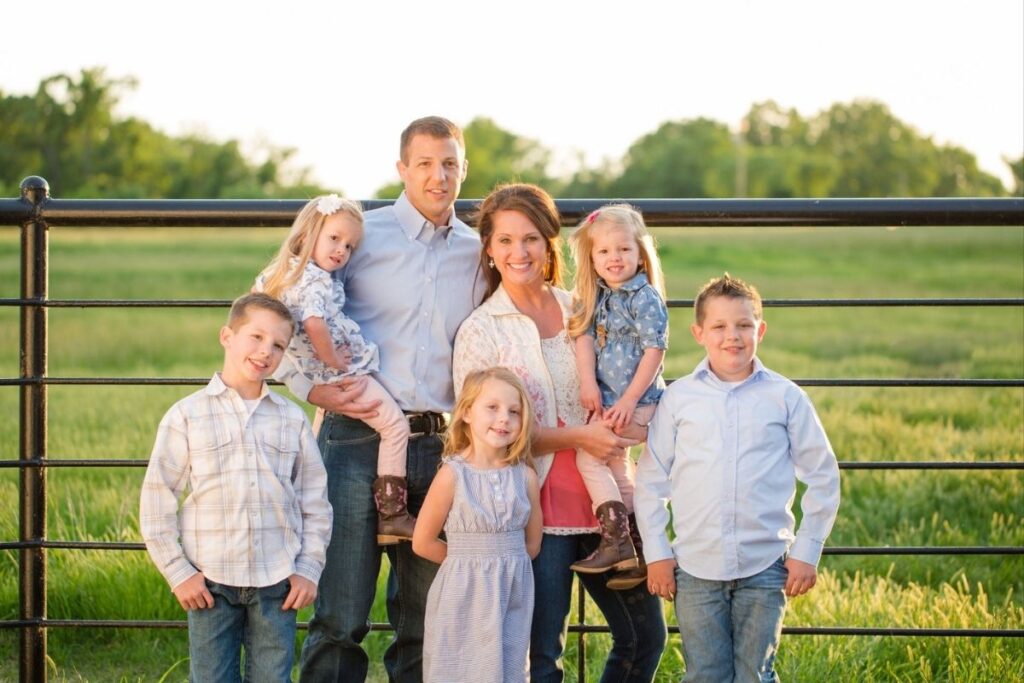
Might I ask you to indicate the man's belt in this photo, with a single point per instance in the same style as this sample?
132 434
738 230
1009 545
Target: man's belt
426 424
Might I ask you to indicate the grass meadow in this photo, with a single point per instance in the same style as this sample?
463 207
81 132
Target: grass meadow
889 507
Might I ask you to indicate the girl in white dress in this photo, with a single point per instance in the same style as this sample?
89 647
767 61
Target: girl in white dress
327 345
487 497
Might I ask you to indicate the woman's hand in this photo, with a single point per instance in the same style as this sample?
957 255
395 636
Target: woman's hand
633 431
600 440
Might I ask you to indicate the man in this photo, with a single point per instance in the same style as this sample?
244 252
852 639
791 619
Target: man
409 285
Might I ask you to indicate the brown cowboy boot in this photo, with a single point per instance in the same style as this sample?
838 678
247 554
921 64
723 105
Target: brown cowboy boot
616 548
394 523
631 578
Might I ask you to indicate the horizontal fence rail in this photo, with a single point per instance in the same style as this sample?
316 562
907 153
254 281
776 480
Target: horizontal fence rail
830 550
248 213
35 213
672 303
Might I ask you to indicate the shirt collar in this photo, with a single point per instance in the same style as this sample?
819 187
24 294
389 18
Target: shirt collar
500 303
413 222
216 387
631 285
703 370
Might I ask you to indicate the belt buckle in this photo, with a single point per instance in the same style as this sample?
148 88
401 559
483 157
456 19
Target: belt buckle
426 424
417 420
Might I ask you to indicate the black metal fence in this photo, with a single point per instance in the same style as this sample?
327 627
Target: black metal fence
35 212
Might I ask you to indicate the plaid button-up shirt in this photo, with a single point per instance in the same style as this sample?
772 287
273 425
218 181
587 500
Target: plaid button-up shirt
255 509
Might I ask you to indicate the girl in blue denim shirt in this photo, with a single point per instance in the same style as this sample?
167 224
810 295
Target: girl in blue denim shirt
620 328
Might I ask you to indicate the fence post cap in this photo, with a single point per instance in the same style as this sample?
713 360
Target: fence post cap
35 189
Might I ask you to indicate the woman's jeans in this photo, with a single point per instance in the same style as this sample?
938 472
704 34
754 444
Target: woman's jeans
332 651
731 629
249 617
635 616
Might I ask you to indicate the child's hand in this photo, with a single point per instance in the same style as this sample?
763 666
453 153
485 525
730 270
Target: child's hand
590 397
621 414
802 577
661 578
192 593
303 593
342 357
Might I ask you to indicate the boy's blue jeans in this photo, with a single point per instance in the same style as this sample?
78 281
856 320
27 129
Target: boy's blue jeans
731 629
332 651
242 617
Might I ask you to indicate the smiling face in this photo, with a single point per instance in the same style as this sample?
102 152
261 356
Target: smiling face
339 237
433 170
730 334
253 349
615 254
518 249
494 418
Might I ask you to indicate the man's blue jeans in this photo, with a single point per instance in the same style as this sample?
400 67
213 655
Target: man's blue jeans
635 616
332 650
731 629
249 617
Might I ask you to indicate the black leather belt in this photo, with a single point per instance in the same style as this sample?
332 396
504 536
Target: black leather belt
426 424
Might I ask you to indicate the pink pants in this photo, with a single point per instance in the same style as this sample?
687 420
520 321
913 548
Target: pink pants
390 423
612 479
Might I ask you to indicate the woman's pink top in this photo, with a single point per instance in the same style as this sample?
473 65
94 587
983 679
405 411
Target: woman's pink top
563 498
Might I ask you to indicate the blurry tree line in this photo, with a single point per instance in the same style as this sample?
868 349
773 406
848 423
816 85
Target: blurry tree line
68 132
850 150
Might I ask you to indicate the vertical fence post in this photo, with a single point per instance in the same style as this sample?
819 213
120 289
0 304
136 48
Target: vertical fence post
32 430
581 651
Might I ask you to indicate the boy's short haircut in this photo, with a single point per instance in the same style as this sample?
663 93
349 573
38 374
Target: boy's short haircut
239 313
434 126
727 286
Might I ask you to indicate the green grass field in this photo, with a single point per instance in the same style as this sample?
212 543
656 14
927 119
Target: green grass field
879 507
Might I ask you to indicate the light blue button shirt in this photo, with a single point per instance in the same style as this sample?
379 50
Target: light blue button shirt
727 456
409 286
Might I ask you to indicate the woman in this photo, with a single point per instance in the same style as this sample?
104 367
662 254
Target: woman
522 326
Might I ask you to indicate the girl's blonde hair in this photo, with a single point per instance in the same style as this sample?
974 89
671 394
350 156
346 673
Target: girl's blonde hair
458 438
585 288
279 274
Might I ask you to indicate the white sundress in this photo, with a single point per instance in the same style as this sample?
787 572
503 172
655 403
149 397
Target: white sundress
480 605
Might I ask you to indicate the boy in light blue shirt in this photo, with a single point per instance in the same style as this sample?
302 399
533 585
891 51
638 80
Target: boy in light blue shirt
725 447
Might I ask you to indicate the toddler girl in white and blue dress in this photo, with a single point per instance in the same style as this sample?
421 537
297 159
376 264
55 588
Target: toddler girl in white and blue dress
327 345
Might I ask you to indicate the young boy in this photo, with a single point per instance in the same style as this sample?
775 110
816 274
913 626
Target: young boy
245 548
725 447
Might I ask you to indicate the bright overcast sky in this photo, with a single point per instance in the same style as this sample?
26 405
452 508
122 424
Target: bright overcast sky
338 81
